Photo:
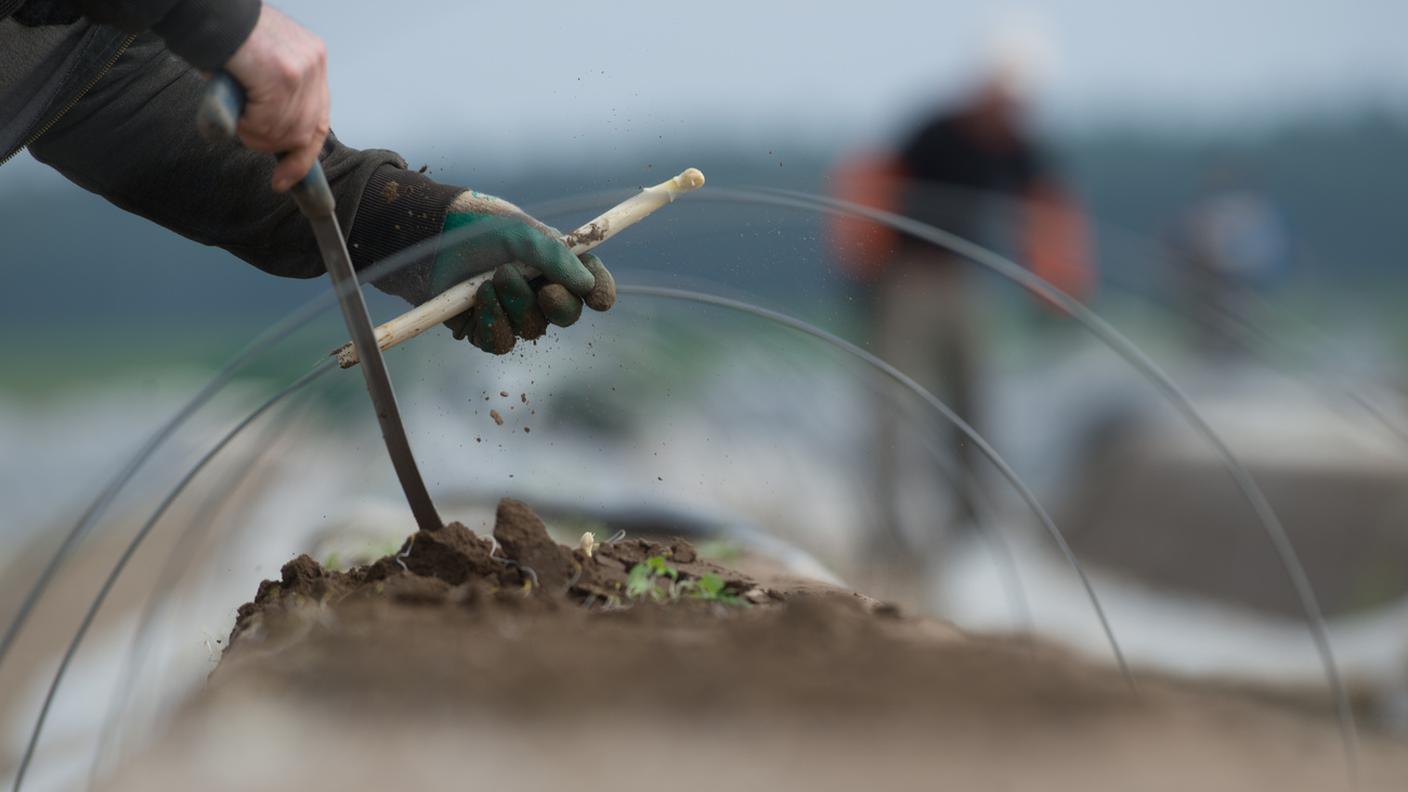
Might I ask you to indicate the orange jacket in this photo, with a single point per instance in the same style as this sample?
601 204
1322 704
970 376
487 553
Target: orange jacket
863 246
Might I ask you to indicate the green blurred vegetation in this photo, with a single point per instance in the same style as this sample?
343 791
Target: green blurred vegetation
95 294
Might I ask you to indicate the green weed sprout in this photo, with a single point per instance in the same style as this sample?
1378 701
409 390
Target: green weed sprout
643 581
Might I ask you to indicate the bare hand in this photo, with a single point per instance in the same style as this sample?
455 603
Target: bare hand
284 71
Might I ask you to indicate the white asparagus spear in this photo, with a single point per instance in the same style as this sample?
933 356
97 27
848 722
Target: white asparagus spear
460 298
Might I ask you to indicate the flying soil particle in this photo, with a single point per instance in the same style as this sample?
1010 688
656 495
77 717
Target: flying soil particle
498 419
526 430
523 397
503 394
391 192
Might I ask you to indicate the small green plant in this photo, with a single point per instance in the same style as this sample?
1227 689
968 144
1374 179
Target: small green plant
712 588
640 581
644 581
659 568
361 553
720 551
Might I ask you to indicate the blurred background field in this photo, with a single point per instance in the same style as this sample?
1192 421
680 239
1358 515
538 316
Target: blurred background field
1139 106
664 405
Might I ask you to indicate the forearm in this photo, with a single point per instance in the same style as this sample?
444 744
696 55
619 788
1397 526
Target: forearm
398 210
133 141
205 33
1057 239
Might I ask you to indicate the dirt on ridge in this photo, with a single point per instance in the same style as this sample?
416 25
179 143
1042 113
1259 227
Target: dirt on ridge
521 663
453 566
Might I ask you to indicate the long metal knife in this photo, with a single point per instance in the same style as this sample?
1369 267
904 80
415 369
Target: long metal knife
220 111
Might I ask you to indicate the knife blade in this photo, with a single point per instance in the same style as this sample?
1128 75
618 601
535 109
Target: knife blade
220 110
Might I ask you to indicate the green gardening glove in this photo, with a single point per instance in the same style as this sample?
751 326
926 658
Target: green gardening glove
493 234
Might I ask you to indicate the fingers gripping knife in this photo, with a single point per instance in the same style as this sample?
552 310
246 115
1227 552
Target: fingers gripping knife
219 112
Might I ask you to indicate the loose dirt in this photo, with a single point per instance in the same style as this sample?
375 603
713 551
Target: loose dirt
521 663
521 566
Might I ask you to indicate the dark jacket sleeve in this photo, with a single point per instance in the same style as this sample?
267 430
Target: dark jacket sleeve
132 140
205 33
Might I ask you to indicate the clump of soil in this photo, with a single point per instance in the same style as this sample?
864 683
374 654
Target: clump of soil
453 566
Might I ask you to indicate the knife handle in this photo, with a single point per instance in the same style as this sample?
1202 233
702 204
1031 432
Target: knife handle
218 115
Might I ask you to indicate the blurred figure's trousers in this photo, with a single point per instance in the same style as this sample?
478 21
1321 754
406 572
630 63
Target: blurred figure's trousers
923 324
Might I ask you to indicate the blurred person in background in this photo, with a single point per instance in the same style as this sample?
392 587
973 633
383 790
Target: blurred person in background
966 161
1229 244
106 92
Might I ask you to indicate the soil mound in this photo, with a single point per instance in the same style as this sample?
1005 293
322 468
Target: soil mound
519 663
520 565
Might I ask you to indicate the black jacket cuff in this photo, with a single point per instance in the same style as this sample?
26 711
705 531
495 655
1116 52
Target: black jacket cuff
400 209
206 33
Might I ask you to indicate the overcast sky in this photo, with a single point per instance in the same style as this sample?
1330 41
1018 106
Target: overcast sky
545 71
520 79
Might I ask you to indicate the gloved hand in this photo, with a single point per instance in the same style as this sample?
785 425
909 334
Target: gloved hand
493 234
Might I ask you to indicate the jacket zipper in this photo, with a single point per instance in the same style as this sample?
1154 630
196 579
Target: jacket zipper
47 125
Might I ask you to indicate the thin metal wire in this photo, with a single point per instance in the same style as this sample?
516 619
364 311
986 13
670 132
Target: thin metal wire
173 568
1004 559
1141 362
903 379
322 368
1091 321
223 376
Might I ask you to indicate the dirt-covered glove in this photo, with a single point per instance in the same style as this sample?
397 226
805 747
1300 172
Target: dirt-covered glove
492 234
